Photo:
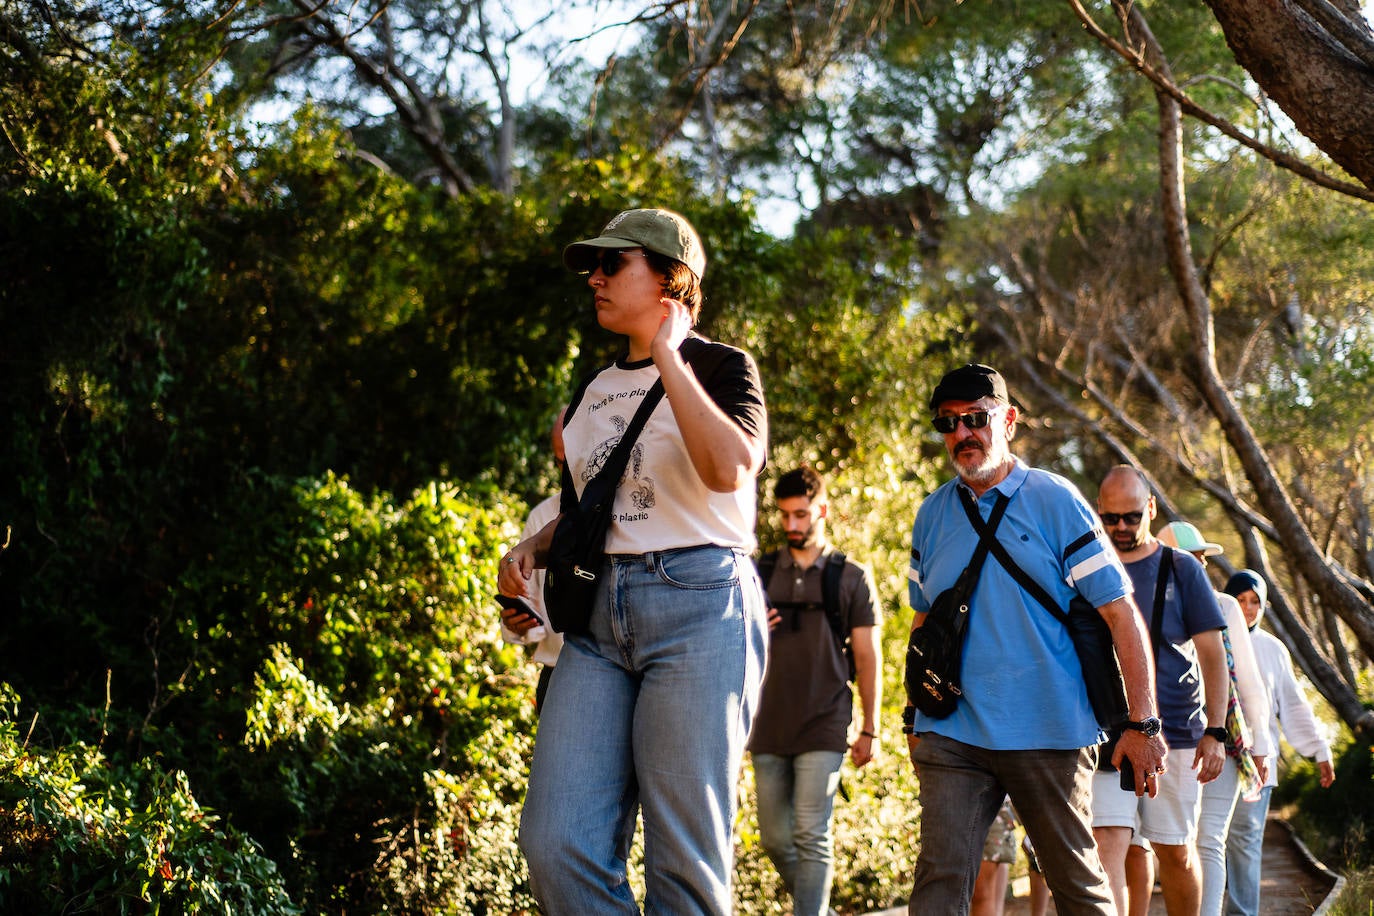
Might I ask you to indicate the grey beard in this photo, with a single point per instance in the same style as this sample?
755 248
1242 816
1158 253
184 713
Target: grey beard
984 473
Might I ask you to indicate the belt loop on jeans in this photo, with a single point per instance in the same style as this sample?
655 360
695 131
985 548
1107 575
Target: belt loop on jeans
650 558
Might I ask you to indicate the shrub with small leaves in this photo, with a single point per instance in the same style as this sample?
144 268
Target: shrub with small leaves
80 834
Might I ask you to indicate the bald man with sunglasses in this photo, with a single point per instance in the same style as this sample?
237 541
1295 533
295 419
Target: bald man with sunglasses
1024 726
1192 679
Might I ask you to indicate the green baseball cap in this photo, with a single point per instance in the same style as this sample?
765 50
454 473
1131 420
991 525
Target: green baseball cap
662 231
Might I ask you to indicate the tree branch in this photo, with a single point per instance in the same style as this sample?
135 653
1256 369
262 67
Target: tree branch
1166 86
1296 538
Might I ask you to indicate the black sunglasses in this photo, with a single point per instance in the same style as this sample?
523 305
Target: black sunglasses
975 420
611 261
1112 519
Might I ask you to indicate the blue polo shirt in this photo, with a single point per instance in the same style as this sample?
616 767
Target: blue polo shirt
1023 687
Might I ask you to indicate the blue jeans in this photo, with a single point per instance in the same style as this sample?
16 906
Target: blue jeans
1244 854
652 706
962 788
796 799
1219 799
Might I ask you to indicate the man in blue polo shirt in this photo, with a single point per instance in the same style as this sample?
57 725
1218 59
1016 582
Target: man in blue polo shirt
1024 726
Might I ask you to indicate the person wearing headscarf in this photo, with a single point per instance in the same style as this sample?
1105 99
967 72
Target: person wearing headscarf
1289 711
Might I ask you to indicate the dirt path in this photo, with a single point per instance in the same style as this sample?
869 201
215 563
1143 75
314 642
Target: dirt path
1291 885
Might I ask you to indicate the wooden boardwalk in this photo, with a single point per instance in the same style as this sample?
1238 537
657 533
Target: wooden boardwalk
1292 884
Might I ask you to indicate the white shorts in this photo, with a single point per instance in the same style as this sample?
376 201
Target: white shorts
1170 818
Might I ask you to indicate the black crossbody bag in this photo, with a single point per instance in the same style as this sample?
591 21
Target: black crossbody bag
935 651
578 549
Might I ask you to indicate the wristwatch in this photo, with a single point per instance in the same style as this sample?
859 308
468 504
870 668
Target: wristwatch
1148 726
1216 731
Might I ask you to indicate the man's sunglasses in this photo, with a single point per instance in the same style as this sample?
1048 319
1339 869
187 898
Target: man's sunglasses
975 420
611 261
1112 519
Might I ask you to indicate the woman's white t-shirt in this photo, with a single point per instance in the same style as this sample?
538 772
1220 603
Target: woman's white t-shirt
661 503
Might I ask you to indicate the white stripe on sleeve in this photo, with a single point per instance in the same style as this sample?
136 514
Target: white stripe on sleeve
1089 566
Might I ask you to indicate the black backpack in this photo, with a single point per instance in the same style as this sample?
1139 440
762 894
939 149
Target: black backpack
831 573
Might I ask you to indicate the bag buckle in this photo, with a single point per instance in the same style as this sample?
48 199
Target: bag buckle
584 574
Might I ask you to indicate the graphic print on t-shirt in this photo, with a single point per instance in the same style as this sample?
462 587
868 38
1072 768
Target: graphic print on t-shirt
640 490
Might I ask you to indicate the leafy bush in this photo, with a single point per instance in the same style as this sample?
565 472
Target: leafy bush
381 754
79 834
1336 823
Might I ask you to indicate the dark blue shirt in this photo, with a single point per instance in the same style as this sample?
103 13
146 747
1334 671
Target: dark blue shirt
1190 607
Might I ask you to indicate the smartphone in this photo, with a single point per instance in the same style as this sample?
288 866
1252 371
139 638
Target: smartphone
524 612
515 604
1127 771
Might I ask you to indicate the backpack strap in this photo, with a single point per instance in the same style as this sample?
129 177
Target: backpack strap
830 596
832 572
834 614
1166 564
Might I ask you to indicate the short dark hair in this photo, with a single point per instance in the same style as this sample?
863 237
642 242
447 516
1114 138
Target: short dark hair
804 481
678 281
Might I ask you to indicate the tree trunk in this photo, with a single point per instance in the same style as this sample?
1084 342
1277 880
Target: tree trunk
1318 68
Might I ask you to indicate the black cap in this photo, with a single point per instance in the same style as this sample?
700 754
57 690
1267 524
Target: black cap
969 383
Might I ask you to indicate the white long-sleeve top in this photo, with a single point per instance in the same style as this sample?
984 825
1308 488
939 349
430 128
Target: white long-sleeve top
1291 711
549 643
1254 698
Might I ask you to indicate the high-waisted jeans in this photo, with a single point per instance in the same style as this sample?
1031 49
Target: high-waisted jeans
651 708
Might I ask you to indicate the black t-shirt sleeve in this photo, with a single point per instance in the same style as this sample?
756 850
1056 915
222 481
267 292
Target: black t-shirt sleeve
735 386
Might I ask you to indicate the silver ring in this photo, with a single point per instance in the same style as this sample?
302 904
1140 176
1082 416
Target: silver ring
508 560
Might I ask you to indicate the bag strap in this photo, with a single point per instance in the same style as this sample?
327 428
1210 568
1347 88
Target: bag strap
987 536
703 359
620 455
1166 563
969 577
831 575
1036 591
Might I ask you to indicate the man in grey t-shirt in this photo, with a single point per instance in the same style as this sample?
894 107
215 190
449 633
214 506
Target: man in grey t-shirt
822 610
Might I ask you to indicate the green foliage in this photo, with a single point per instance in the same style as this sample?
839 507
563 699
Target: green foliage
381 747
80 833
226 347
1356 897
1336 822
